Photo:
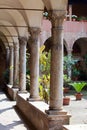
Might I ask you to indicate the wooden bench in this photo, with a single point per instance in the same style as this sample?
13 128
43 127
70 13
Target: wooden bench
75 127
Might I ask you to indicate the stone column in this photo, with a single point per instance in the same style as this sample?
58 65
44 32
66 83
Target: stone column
16 65
34 64
22 64
56 74
70 12
11 65
7 56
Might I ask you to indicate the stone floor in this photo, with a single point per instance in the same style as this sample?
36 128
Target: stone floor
78 109
9 119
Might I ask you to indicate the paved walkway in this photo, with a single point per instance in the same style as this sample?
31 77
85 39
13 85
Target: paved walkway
9 119
78 109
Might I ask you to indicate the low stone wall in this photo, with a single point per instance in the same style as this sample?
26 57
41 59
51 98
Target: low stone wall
12 92
35 113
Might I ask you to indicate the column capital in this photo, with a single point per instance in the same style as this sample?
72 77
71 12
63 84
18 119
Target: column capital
69 51
57 17
16 46
34 31
23 40
11 48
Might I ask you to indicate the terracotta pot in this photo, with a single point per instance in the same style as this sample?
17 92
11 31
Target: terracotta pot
78 96
66 90
66 101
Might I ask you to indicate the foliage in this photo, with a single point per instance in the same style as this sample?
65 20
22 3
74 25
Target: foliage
81 18
44 87
6 75
28 80
69 61
44 61
85 59
66 80
44 79
75 72
78 86
27 72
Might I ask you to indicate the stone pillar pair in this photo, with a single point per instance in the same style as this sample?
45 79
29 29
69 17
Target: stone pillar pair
18 71
14 65
20 62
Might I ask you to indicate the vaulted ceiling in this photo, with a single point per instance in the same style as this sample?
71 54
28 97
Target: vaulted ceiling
15 17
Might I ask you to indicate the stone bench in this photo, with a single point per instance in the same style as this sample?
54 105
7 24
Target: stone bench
75 127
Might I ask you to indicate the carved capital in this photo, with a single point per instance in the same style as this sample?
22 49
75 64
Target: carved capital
23 40
16 46
11 48
34 31
70 51
57 17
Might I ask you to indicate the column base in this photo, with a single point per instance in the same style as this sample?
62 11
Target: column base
31 98
56 122
22 91
56 112
15 86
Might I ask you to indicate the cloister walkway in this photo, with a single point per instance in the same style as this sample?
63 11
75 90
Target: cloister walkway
9 119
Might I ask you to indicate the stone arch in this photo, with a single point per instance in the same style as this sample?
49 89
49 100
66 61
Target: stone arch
48 45
65 47
17 4
80 52
6 34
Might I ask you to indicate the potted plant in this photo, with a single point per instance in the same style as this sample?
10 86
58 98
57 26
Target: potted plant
66 100
74 17
78 86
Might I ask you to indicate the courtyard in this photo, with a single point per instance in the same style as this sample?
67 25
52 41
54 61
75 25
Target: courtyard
77 109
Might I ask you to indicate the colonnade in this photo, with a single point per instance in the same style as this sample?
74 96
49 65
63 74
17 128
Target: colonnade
18 64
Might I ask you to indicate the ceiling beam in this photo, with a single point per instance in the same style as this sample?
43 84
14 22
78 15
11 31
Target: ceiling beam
7 8
14 26
8 36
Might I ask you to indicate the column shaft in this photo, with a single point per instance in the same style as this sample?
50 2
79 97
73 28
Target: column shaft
7 56
56 77
16 65
34 68
11 65
70 12
22 66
